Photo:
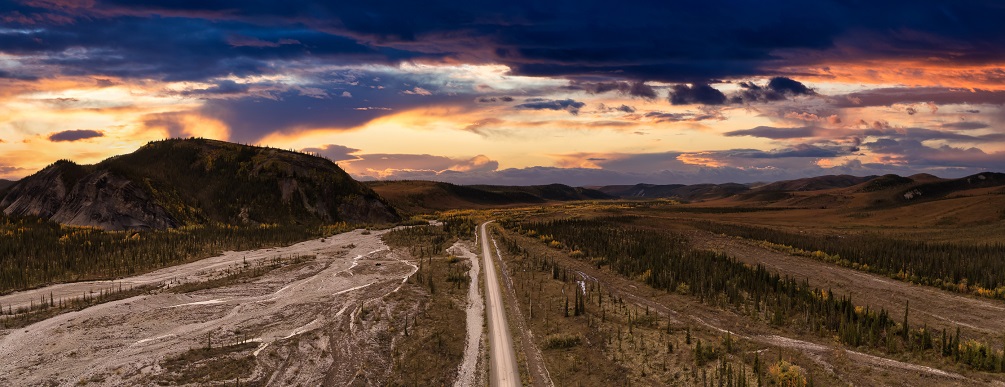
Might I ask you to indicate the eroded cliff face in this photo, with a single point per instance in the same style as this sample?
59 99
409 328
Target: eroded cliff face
40 194
105 200
97 199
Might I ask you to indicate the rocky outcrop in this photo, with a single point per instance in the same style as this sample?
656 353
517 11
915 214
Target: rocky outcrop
96 199
105 200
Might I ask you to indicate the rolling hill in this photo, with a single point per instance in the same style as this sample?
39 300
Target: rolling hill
171 183
695 192
417 196
816 183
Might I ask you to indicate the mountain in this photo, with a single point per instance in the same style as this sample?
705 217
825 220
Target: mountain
172 183
945 188
884 182
694 192
416 196
817 183
5 183
555 192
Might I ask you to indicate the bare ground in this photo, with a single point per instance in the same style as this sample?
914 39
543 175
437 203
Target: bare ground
469 372
326 322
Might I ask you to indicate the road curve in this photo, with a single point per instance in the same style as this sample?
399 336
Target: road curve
502 365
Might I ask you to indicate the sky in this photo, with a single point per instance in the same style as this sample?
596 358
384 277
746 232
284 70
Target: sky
521 92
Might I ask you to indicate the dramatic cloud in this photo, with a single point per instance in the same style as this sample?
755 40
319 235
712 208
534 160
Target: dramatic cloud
634 89
74 135
568 105
706 91
777 89
696 94
694 41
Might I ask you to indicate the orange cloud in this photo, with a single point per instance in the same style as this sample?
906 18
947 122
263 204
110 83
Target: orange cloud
940 73
700 158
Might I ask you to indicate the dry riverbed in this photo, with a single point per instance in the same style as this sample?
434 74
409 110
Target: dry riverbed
323 321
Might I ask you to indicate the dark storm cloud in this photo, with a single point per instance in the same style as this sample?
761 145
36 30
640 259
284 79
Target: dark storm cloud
494 99
570 105
698 93
777 89
175 49
634 89
4 74
74 135
251 119
684 42
625 109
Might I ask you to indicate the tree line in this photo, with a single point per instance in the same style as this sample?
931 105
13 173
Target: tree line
665 260
967 268
35 252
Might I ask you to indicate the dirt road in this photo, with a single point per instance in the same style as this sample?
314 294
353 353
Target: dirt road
321 323
502 367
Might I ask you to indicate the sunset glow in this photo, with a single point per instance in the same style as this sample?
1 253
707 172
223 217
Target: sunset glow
569 93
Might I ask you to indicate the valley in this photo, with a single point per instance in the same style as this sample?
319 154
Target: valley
835 280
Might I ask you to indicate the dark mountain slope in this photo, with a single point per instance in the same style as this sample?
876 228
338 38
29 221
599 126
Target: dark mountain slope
416 196
816 183
172 183
684 192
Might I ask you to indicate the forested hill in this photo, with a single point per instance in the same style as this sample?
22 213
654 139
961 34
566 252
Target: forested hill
172 183
418 196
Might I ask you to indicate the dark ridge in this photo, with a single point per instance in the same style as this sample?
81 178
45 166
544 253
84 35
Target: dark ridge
172 183
884 182
816 183
695 192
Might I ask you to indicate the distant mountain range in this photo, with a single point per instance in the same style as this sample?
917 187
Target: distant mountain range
830 190
172 183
